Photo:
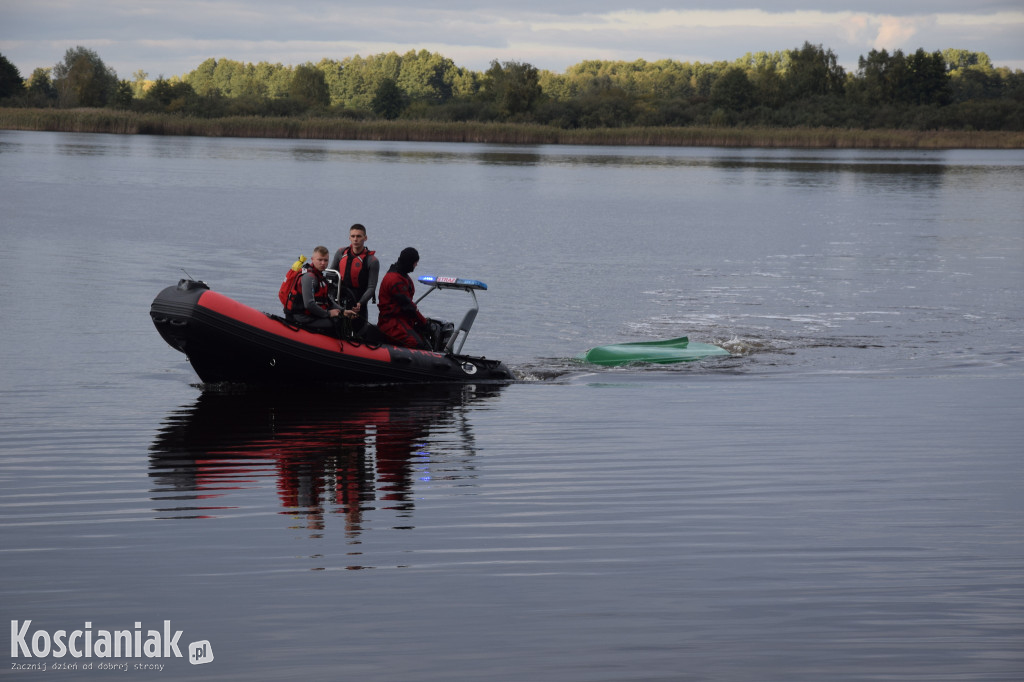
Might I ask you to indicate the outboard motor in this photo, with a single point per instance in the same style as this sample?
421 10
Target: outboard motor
439 332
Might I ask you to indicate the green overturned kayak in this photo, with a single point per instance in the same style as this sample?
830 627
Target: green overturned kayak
662 352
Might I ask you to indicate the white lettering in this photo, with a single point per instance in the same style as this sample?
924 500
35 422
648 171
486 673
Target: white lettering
106 644
43 649
152 646
170 643
18 642
75 651
58 642
125 637
103 645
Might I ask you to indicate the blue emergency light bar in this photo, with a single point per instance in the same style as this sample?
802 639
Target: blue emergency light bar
451 282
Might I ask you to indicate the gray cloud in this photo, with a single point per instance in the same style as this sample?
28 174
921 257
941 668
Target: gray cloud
172 38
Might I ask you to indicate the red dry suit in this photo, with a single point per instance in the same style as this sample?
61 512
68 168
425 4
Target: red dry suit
399 316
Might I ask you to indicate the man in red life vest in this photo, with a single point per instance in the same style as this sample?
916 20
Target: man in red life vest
399 318
359 269
309 305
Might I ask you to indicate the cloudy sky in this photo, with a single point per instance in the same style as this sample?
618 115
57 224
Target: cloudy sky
171 38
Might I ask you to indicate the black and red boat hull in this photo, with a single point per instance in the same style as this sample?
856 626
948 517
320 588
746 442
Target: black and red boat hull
227 341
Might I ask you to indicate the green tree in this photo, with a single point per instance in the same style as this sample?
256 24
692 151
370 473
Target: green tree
975 84
703 76
880 76
427 77
927 79
812 70
554 85
514 87
332 70
271 80
732 90
753 61
139 84
309 87
957 60
123 95
389 101
40 90
768 83
917 80
465 83
170 96
231 78
356 84
202 78
83 80
604 103
971 76
11 83
1013 83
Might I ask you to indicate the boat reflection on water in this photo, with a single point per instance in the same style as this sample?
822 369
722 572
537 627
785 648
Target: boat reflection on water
346 453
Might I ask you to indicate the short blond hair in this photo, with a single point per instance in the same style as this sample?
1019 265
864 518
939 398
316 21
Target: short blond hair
322 250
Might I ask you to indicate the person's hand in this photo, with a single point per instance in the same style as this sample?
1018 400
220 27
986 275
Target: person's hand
357 307
350 314
333 312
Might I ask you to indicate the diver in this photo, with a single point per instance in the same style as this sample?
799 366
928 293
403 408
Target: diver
399 317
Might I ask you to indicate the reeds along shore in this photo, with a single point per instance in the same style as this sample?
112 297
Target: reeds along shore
130 123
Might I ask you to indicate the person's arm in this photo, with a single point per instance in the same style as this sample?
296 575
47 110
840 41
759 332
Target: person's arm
403 296
336 260
372 272
309 304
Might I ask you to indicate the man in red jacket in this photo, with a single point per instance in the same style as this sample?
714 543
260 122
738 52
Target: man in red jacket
399 318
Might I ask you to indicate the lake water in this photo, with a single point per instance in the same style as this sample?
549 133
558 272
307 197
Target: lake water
840 499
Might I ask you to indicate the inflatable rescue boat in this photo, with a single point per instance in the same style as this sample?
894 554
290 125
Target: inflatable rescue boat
227 341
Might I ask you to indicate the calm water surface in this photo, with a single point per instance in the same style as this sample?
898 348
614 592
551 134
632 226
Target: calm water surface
838 500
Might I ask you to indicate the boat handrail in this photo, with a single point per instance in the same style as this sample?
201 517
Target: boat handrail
470 286
333 278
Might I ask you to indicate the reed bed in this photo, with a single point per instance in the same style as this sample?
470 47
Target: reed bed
132 123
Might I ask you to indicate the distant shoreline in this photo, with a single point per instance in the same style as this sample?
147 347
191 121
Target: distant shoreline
311 128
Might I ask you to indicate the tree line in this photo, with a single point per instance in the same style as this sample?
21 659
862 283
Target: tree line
952 89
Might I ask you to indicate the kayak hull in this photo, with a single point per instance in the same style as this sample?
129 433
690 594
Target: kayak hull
667 351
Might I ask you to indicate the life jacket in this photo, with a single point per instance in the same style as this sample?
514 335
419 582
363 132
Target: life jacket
293 302
355 273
